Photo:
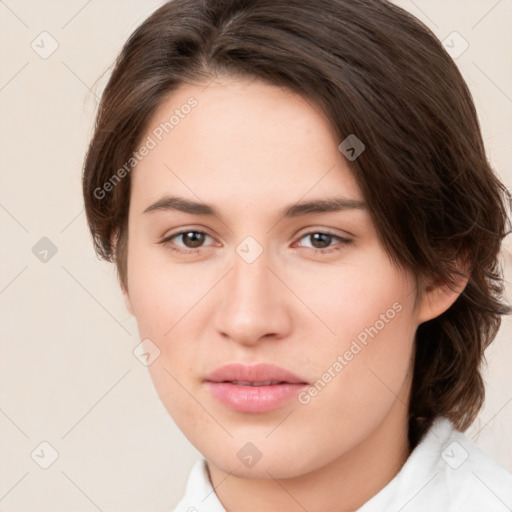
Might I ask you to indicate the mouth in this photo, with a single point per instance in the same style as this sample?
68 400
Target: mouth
254 388
253 383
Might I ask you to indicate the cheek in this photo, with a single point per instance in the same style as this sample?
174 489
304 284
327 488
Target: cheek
364 367
161 293
372 299
168 304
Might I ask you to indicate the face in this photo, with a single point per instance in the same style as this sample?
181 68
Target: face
264 280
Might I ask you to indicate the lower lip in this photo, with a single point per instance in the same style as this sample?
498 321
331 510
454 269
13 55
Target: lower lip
254 398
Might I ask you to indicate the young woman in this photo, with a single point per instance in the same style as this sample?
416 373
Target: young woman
306 228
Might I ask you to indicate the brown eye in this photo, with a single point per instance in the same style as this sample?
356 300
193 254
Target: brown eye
190 239
322 242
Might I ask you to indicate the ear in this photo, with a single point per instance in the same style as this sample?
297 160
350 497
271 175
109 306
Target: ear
438 296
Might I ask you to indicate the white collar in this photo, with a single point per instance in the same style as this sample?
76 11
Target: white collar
445 472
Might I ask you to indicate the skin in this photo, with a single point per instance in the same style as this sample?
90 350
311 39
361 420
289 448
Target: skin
250 149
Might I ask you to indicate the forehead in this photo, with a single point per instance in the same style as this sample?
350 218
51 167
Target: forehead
240 139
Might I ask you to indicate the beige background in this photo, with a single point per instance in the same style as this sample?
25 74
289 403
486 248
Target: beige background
68 375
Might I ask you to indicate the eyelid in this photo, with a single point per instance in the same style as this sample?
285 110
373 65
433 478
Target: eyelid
327 231
342 240
167 238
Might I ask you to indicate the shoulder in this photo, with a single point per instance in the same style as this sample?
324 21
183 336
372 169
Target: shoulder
478 479
448 472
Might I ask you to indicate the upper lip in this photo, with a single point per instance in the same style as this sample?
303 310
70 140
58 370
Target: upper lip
261 372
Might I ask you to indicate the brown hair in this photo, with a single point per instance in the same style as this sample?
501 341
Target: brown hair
376 72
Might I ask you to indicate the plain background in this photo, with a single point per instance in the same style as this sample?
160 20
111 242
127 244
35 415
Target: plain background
68 375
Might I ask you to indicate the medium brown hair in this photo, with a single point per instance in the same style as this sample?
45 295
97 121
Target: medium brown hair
377 72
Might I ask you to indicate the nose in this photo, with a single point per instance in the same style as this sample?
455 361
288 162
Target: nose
254 304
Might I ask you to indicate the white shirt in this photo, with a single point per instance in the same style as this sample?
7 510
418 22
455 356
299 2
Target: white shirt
444 473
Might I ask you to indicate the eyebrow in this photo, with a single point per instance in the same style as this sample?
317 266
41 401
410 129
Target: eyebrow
333 204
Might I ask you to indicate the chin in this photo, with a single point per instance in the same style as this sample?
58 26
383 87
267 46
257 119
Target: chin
264 459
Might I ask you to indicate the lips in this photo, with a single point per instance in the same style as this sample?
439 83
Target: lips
253 388
253 373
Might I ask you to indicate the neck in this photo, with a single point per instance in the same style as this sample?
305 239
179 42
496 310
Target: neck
343 485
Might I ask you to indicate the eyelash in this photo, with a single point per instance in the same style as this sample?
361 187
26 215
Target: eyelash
165 242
